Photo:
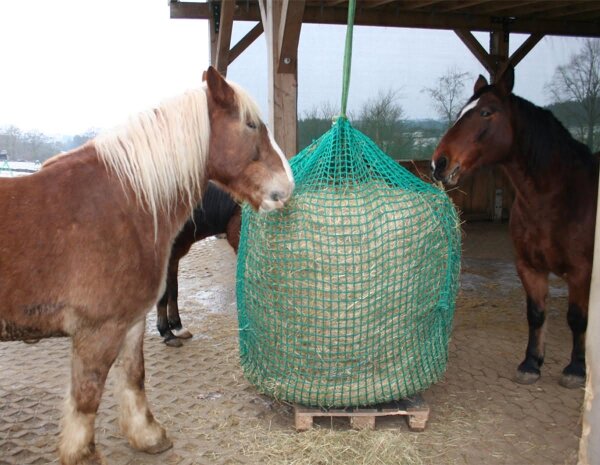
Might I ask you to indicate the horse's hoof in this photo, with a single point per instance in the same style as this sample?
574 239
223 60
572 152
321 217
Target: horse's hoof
526 377
182 333
572 381
164 444
89 459
173 342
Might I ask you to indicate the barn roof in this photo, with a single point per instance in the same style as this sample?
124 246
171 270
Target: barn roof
549 17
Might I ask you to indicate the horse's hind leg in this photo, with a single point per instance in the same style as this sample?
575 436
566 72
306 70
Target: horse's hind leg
93 353
536 287
173 308
573 376
162 322
136 421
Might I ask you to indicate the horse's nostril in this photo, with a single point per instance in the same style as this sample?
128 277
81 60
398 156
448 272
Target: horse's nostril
441 163
276 196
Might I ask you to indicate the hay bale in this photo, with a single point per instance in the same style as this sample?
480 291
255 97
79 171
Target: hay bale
344 297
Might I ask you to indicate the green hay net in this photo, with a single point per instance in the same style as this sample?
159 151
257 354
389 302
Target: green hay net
346 296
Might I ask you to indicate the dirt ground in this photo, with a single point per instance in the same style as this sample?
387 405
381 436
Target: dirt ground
478 414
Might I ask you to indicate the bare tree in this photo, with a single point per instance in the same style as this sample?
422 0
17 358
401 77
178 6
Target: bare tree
447 94
579 82
315 122
380 118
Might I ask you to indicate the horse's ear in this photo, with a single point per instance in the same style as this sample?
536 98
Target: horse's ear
480 83
507 80
203 76
220 91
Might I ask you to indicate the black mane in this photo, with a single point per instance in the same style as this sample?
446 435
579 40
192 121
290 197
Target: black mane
543 138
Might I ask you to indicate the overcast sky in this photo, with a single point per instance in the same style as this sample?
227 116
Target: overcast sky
71 65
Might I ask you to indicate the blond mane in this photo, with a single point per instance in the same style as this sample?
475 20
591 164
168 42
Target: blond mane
161 153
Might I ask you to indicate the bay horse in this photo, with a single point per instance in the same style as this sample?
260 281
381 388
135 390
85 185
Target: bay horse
218 214
85 241
552 219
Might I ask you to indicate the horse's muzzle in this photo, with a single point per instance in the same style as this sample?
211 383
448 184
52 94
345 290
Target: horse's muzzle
438 167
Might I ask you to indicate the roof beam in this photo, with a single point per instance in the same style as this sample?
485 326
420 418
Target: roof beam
397 15
391 17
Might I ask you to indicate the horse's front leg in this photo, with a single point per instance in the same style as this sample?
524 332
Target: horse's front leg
93 353
573 376
137 422
536 288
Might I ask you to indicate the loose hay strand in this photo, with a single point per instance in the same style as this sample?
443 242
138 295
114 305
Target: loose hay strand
328 447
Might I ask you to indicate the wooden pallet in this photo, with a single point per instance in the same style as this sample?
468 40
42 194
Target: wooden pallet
414 409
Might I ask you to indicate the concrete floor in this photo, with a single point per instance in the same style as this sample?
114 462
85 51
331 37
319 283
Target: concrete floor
198 392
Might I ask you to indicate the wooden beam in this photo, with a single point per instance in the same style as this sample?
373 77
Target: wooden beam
283 87
213 33
498 53
464 4
224 36
392 17
589 444
409 15
525 48
245 42
476 49
289 35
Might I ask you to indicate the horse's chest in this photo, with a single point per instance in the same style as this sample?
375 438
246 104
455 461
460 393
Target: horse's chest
539 248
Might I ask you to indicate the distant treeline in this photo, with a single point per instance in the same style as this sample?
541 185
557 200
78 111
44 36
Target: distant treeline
402 139
36 146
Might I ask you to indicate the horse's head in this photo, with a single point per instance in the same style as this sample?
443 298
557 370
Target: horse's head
243 157
481 135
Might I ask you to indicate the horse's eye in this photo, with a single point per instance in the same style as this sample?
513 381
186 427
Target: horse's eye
485 113
251 124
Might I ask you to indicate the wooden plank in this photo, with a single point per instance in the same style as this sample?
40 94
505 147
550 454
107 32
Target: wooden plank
499 41
589 445
224 36
392 17
414 409
289 35
408 15
283 87
525 48
475 48
245 42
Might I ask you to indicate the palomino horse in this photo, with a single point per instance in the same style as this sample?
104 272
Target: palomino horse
85 241
218 214
552 219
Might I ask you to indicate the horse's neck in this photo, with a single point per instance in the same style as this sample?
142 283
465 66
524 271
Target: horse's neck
535 189
531 188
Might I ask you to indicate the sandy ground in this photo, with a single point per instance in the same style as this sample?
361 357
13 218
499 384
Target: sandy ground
214 416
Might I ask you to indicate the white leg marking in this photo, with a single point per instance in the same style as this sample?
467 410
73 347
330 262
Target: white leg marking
136 421
77 433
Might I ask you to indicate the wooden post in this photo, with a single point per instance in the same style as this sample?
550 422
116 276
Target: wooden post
499 41
281 22
589 445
